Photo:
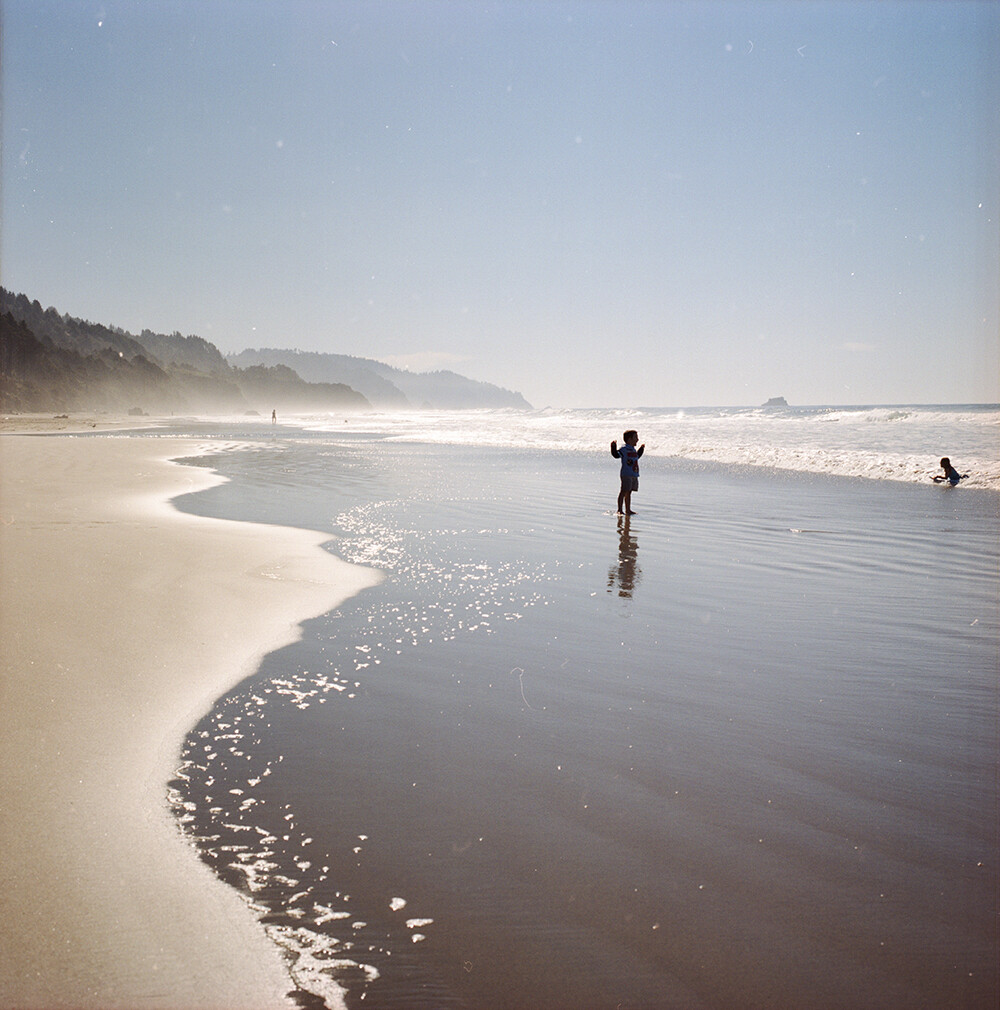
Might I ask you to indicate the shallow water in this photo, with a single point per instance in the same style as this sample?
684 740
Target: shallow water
738 751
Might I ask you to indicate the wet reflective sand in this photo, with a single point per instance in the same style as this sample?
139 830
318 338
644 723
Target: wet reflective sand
739 752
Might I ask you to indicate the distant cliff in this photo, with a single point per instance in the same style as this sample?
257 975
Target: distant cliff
194 352
280 387
383 385
57 362
354 372
37 375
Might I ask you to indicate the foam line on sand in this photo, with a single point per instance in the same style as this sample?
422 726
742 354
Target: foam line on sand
121 620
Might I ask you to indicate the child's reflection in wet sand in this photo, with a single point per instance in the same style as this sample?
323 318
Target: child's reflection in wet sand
626 574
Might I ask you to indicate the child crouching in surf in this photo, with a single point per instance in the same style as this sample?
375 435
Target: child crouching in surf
951 475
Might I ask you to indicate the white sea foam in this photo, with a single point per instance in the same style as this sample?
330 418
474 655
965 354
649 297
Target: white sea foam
315 964
901 443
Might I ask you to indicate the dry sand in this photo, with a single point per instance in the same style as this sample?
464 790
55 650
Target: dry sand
121 620
76 422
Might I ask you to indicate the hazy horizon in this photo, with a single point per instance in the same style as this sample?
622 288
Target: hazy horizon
585 202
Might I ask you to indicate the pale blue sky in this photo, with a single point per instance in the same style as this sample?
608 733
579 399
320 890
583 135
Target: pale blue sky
594 203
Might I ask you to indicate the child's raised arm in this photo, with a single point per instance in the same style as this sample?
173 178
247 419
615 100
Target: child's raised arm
614 447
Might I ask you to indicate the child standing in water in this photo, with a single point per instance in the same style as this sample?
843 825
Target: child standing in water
629 455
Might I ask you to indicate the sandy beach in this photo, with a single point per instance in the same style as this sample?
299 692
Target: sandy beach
738 751
121 621
73 423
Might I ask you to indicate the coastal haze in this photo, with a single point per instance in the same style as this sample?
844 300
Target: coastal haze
589 203
330 676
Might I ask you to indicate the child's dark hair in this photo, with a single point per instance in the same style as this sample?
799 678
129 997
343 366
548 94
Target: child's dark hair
631 432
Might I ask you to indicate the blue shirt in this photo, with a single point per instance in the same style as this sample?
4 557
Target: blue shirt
629 456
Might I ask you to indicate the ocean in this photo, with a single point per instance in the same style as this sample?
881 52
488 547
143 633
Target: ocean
900 443
737 750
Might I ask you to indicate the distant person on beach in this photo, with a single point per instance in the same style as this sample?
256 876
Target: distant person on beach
274 417
951 475
629 455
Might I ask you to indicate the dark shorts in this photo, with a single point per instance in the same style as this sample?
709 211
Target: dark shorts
630 483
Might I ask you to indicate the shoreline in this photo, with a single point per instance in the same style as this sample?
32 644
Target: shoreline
122 620
77 422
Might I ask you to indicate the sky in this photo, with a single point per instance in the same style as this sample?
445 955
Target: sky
603 203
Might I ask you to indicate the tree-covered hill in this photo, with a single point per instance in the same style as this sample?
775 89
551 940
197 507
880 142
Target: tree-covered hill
56 362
